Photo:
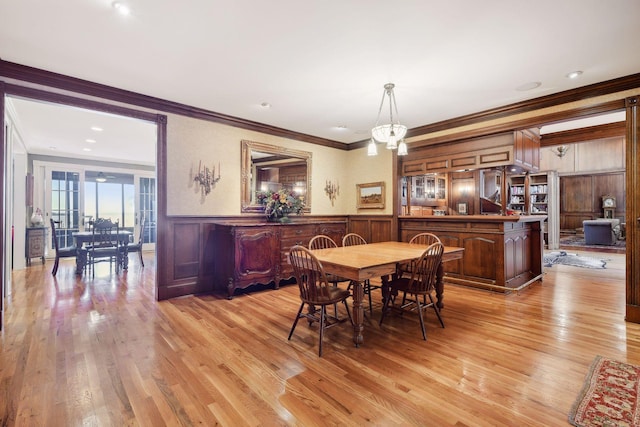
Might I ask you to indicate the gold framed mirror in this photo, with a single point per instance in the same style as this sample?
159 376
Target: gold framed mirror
268 167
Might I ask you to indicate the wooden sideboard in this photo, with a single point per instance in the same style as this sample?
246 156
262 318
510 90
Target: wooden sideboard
246 254
502 253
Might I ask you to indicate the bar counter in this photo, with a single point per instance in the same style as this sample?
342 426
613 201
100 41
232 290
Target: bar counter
502 253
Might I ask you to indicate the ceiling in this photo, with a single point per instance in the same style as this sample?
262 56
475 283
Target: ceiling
320 66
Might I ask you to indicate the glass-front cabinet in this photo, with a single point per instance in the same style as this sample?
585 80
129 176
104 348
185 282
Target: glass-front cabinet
424 194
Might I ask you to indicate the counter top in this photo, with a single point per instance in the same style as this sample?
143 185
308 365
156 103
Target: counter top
477 218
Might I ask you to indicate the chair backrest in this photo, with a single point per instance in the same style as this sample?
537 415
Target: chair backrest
143 223
425 239
353 239
105 234
424 270
322 242
309 274
54 234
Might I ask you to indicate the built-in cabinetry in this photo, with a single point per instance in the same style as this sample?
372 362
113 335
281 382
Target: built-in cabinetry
35 243
537 194
501 253
258 253
422 194
517 193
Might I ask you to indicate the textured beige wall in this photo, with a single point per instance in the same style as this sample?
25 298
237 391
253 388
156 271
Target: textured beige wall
191 140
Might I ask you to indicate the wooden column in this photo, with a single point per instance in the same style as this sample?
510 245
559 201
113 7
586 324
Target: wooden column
633 210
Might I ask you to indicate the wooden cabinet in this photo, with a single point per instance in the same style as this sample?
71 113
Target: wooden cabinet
35 243
502 253
518 148
258 253
517 193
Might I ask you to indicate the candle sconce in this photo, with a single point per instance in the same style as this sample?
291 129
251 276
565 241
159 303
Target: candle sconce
332 190
207 177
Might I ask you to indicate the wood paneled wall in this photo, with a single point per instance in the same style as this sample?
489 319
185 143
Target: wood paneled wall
581 197
189 249
374 228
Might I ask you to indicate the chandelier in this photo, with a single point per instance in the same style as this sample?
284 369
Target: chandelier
392 133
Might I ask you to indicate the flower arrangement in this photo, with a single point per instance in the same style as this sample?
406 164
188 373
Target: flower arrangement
281 203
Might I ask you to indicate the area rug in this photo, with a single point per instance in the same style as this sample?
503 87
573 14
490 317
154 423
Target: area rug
609 396
565 258
579 242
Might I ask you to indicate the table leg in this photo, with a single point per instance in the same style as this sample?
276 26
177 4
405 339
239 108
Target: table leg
440 286
125 257
358 313
81 261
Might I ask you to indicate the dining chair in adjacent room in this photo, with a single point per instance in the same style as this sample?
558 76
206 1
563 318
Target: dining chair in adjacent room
315 291
105 245
352 239
137 247
322 241
419 285
64 252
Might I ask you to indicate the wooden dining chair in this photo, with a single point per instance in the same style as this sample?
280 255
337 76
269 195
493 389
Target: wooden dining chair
424 239
64 252
137 247
353 239
105 245
315 291
322 241
420 285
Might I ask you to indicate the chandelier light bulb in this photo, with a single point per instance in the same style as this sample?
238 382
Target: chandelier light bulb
372 149
402 148
392 143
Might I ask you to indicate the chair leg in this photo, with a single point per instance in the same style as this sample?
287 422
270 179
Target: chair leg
436 309
420 307
55 266
367 290
323 313
385 308
295 322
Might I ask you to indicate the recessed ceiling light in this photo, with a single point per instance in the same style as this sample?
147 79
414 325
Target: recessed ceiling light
528 86
122 9
341 127
574 74
86 149
96 128
90 141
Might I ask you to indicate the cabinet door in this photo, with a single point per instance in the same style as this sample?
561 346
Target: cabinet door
256 256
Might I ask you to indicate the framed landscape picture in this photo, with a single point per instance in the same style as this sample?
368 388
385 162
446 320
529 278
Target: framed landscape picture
370 195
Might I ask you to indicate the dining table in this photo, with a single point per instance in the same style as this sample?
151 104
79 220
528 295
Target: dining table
377 260
86 237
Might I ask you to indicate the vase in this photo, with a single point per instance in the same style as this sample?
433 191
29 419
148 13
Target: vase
36 219
284 219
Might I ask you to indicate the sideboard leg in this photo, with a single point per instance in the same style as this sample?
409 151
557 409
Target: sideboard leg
230 289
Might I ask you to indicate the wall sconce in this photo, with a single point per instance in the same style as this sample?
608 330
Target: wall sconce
207 177
332 190
560 150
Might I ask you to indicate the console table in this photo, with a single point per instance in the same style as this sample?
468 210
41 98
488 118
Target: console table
246 254
35 243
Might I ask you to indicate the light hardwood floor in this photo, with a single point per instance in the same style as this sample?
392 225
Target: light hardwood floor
103 352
